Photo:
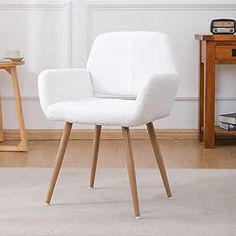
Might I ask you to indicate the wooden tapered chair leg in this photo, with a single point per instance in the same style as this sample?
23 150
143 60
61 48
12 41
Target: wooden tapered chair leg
59 159
131 169
159 158
95 149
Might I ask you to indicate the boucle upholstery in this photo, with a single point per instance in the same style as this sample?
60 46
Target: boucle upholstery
130 80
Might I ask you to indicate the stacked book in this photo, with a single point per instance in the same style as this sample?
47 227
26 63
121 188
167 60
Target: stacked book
228 121
4 60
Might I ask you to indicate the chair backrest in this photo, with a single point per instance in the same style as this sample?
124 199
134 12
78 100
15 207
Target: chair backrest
121 62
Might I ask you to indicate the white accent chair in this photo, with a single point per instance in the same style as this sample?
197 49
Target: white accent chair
130 80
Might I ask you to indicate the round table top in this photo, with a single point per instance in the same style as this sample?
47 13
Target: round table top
7 64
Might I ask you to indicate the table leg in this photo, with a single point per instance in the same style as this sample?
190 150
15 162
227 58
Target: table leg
1 125
19 110
22 146
200 95
209 117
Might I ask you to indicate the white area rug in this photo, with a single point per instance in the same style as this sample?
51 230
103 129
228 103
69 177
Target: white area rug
204 203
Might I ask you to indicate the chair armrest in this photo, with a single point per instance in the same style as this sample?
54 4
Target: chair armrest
63 84
157 98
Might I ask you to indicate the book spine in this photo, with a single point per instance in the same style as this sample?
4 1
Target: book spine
228 120
227 126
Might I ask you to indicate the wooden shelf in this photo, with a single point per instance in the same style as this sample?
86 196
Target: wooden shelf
221 133
213 50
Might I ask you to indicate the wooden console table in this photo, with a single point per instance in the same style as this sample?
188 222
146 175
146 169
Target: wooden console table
10 67
213 50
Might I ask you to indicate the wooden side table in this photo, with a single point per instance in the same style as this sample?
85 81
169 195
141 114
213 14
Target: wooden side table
213 50
10 67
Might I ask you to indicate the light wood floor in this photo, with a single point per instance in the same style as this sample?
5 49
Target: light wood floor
176 153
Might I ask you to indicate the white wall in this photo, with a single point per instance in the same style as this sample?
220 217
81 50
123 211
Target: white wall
55 34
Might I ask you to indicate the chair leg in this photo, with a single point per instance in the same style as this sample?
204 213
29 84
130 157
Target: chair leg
95 149
59 159
159 158
131 169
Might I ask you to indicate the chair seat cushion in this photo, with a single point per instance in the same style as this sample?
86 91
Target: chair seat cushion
94 110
